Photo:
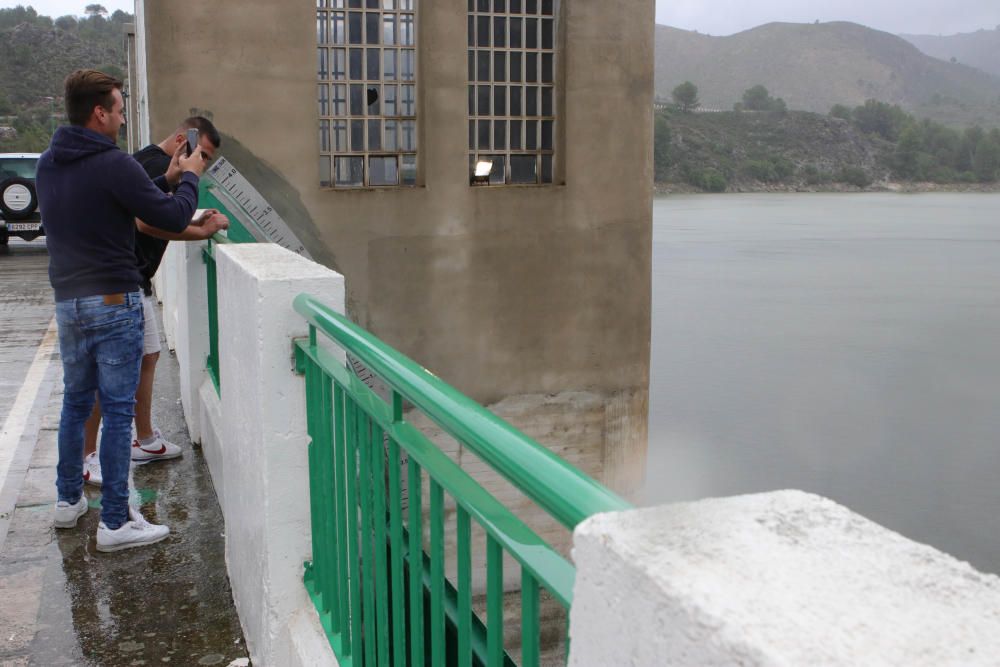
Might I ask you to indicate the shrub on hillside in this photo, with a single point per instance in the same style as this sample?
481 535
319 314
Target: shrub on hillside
855 176
769 170
707 178
813 175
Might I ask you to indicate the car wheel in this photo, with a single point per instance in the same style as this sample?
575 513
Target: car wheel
18 199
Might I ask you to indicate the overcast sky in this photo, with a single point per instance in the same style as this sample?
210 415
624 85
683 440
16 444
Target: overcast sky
724 17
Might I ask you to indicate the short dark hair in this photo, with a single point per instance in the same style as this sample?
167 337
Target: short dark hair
204 126
86 89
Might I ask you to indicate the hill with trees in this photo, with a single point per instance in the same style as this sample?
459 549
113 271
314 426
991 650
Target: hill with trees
814 66
871 145
980 49
36 54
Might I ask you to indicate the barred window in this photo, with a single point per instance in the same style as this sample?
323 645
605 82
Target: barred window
511 86
366 71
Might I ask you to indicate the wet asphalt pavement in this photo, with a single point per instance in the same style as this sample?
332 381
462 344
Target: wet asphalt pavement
63 602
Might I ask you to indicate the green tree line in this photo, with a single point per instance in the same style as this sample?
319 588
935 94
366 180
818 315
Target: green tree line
925 150
908 149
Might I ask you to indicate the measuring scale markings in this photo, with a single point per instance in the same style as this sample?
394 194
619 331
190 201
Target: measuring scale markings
252 210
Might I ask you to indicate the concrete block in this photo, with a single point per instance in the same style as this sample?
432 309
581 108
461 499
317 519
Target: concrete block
783 578
191 341
263 439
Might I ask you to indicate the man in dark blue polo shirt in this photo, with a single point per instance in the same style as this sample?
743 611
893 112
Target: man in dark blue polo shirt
92 193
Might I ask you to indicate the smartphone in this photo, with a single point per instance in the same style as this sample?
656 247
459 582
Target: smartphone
192 140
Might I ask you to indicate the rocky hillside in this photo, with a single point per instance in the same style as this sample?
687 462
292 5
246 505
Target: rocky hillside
37 60
750 150
814 66
872 145
36 54
980 49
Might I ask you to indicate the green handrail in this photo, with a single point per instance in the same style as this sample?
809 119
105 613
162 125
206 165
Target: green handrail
567 494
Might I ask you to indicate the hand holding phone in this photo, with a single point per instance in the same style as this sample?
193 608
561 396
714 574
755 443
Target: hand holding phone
192 140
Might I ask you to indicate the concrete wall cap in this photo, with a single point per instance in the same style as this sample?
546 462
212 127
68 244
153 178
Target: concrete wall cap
786 578
269 261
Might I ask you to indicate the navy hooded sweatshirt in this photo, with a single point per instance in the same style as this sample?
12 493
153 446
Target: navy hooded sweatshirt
89 193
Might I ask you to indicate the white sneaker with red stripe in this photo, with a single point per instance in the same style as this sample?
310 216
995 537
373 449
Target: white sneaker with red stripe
158 450
92 469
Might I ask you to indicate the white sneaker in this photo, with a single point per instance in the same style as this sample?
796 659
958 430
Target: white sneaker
68 514
158 450
136 532
92 469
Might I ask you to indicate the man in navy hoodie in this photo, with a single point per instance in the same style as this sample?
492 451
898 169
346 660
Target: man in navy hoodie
91 193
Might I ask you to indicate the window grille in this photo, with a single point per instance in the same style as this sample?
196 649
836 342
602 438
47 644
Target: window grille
511 88
366 71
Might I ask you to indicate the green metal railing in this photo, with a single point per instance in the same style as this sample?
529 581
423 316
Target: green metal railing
381 595
237 233
208 256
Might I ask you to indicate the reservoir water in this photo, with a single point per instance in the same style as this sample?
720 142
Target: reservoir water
847 345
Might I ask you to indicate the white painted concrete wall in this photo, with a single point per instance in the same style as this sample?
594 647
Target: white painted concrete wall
254 435
784 578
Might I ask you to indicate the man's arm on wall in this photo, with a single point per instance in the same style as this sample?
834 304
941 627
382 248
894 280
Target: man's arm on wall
204 227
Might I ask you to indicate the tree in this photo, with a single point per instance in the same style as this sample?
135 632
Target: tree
841 111
661 148
67 22
756 98
686 96
885 120
986 162
95 10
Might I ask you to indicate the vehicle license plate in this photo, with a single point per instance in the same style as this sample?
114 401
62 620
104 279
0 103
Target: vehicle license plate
23 226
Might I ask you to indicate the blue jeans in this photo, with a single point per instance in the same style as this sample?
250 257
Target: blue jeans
101 348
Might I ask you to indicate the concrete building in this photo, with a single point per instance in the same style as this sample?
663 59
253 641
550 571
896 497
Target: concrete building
362 122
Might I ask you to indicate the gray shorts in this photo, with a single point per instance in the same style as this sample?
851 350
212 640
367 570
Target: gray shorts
151 328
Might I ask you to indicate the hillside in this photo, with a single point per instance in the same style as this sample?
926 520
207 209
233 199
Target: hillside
980 49
36 54
739 145
800 150
814 66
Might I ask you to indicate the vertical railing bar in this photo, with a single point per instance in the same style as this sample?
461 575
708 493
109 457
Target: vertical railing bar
367 563
314 492
494 602
351 505
415 529
529 620
331 589
396 557
314 397
437 574
341 509
566 643
381 567
213 315
464 537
